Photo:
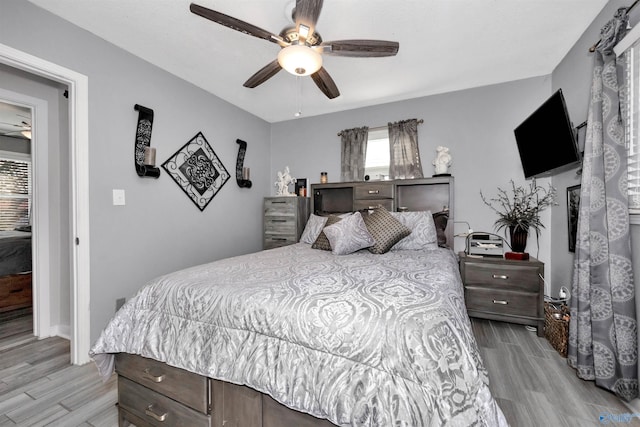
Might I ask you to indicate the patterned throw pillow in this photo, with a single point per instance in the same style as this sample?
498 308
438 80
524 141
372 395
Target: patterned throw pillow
385 229
423 231
322 242
349 235
312 230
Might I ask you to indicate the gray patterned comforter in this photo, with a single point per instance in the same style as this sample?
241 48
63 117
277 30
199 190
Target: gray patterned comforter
361 339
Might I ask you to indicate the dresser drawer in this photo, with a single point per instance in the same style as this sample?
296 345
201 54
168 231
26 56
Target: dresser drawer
183 386
279 225
156 409
512 276
509 302
359 205
281 206
374 191
15 292
271 242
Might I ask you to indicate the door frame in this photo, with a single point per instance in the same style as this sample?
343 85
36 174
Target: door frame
79 242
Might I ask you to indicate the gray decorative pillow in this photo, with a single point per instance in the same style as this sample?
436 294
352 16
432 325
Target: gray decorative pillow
440 220
312 230
322 242
385 229
423 231
349 235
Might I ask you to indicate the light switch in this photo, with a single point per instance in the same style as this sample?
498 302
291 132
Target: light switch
118 197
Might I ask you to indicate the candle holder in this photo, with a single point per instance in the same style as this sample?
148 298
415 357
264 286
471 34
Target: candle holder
144 155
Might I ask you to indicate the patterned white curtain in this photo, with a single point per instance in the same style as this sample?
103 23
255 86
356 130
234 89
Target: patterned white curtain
602 332
354 151
404 159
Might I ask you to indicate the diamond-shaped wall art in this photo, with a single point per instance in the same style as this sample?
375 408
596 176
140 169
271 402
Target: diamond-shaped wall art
197 170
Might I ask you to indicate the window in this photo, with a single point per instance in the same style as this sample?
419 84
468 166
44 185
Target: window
630 109
376 163
15 192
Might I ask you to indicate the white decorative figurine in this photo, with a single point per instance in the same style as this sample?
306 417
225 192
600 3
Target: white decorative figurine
442 160
284 179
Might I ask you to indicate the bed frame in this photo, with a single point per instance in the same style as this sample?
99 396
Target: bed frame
151 393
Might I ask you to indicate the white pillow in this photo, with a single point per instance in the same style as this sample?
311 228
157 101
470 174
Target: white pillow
312 230
423 231
349 235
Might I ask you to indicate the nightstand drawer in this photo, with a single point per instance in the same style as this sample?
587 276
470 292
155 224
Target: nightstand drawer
359 205
183 386
156 409
513 276
509 302
374 191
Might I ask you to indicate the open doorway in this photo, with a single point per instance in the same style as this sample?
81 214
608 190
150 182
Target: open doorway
16 202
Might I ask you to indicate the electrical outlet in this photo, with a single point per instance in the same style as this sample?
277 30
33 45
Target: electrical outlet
120 302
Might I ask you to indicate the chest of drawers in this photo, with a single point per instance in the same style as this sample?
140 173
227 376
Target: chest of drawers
284 220
505 290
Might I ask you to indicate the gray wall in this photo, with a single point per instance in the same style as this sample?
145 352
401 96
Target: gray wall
476 124
15 145
160 229
573 75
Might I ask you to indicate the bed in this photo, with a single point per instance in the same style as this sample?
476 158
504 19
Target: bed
302 337
15 270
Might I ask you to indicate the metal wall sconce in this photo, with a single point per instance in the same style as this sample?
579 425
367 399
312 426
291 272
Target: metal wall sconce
144 154
242 173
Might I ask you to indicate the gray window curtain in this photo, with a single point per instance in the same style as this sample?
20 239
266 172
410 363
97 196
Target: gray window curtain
602 332
404 160
354 151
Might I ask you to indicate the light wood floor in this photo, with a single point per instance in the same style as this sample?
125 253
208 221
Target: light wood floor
530 380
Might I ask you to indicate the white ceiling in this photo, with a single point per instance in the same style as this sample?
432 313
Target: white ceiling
445 45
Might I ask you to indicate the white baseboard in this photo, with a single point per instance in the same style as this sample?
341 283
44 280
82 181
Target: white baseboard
634 405
62 331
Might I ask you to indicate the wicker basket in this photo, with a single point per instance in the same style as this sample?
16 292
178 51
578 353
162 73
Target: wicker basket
556 327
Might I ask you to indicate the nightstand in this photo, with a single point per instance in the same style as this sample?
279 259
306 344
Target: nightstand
505 290
284 220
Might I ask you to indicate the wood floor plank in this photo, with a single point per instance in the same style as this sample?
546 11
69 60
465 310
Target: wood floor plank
46 416
97 405
106 418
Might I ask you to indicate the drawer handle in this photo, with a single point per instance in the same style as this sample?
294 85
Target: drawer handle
278 220
282 202
280 239
374 191
155 378
500 276
157 417
499 301
15 291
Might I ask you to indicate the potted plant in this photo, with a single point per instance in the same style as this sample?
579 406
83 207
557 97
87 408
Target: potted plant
519 210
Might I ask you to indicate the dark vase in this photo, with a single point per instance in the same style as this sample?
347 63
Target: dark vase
518 238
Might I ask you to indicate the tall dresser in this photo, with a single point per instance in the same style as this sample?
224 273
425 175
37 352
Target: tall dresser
284 220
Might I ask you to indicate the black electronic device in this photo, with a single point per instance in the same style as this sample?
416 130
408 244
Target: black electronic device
546 139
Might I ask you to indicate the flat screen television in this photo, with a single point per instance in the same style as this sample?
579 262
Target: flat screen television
546 139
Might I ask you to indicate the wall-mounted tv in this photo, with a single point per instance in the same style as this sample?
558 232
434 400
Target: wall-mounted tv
546 139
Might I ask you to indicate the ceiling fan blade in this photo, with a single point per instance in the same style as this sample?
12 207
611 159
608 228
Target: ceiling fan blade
234 23
325 83
307 13
361 48
264 74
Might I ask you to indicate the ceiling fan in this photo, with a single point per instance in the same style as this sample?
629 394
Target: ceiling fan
23 131
301 45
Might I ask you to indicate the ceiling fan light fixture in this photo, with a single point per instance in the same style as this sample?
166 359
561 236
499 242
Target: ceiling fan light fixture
299 60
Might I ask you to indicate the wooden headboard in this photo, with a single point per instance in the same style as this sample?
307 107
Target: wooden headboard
432 194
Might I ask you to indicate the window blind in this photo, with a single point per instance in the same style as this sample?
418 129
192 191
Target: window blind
631 112
15 194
